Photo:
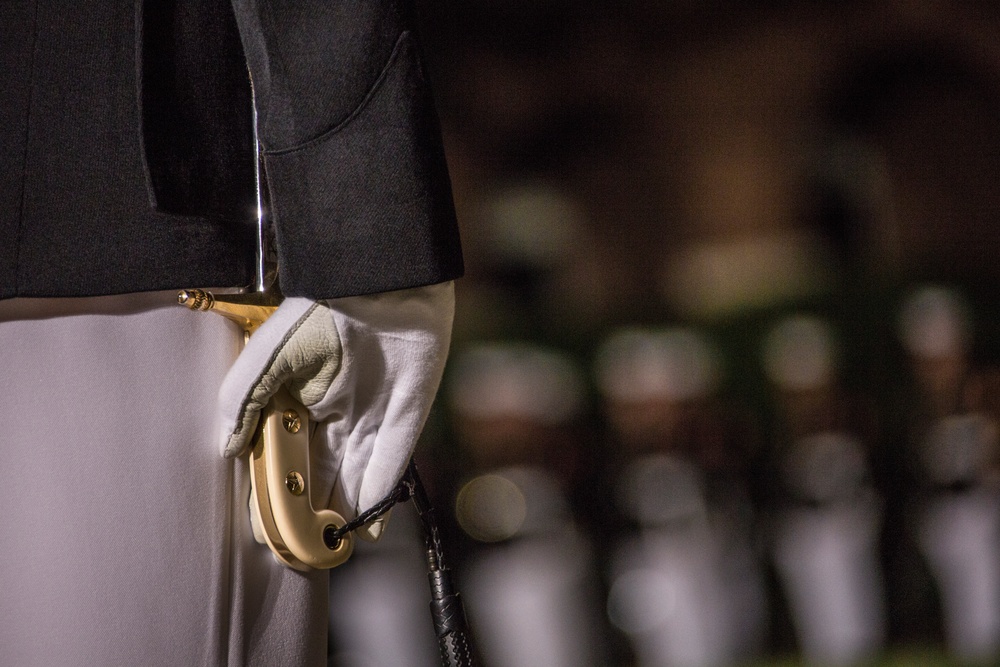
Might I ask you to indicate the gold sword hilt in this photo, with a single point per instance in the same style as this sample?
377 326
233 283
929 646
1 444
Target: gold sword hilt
281 510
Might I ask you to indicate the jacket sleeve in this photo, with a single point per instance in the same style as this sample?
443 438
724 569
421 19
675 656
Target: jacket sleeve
357 182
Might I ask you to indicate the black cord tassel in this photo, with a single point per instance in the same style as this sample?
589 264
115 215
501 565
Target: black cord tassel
447 611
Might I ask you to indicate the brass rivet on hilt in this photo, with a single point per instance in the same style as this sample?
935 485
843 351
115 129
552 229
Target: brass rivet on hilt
295 483
291 421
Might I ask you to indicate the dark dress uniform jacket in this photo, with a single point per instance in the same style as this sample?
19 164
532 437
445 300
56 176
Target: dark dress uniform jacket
127 154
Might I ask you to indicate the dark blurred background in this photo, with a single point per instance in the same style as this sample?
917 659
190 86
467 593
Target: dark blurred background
715 167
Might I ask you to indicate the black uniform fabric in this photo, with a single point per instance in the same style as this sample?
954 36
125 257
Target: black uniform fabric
127 154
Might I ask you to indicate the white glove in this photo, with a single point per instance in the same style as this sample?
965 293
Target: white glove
366 367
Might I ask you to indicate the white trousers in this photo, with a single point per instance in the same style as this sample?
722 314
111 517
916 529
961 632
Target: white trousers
126 535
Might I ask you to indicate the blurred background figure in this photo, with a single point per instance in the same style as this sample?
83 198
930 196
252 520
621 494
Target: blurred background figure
685 584
539 267
955 435
529 582
828 516
721 165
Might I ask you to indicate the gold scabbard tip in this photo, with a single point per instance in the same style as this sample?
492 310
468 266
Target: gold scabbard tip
195 299
248 310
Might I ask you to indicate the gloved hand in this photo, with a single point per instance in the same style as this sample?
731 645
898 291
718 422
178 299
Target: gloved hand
366 367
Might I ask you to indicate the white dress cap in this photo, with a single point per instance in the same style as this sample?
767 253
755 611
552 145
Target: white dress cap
636 364
934 323
516 380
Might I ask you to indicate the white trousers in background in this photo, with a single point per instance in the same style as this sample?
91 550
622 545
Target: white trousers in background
126 535
960 537
828 563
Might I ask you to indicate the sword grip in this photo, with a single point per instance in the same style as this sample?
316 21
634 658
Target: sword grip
449 621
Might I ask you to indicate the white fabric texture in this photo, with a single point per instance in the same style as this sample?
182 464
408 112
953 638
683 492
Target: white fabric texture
127 541
366 367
